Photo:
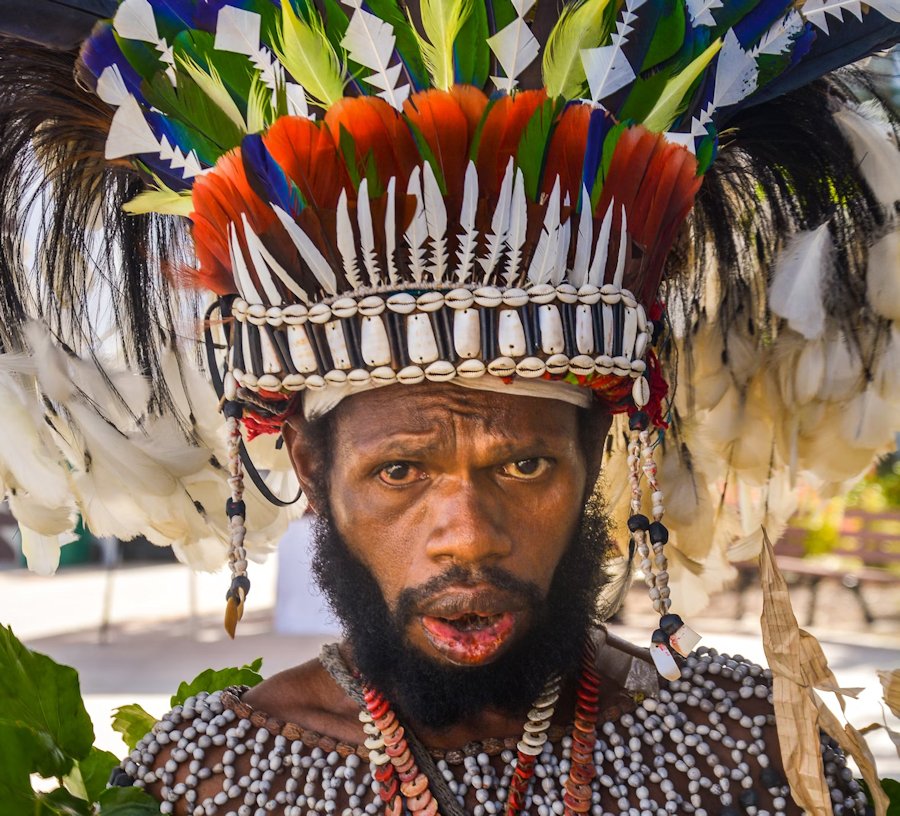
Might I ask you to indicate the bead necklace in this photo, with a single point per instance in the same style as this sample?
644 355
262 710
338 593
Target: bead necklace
401 780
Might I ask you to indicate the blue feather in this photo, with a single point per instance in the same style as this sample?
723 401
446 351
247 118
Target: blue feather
102 50
266 176
759 20
598 128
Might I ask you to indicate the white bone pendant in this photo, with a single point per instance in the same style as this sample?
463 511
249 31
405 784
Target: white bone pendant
584 329
608 328
629 334
511 333
302 355
466 333
376 351
662 657
420 339
552 340
270 359
682 638
337 345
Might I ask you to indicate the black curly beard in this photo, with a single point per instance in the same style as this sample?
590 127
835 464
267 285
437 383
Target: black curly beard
437 695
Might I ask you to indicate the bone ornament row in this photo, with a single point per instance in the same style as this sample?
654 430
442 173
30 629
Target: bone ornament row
439 335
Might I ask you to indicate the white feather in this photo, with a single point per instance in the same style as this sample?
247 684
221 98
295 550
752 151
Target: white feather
367 233
244 282
347 242
736 73
619 274
597 273
809 372
584 240
42 551
129 134
796 290
370 42
468 235
562 249
780 37
700 11
499 222
875 148
390 230
111 87
237 30
310 254
607 68
134 20
262 260
518 226
417 231
544 257
515 48
436 219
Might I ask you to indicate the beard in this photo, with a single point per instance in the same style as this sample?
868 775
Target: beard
438 695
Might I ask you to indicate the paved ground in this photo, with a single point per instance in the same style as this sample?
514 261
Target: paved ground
165 626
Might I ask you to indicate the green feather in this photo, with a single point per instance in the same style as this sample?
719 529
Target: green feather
671 99
160 199
407 44
609 146
210 83
347 146
472 54
667 37
442 21
427 154
307 54
532 149
259 106
582 24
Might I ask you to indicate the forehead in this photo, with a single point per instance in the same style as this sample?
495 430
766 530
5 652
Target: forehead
440 409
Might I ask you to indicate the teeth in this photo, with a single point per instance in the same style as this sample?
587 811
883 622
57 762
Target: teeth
473 621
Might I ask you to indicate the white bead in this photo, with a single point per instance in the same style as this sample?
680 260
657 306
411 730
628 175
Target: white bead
359 378
510 333
515 297
337 344
440 371
466 332
470 369
402 303
552 340
371 306
376 350
336 377
582 365
502 367
610 293
410 375
459 299
542 293
383 375
302 355
589 294
640 392
344 307
315 382
320 313
294 382
567 293
420 339
584 329
488 296
640 345
531 367
269 382
604 364
430 301
557 364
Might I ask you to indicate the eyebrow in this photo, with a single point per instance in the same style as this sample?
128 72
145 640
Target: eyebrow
413 446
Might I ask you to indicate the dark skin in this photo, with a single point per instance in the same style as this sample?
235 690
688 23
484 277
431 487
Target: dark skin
445 476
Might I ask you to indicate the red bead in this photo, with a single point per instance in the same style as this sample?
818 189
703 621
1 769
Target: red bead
415 787
577 805
394 736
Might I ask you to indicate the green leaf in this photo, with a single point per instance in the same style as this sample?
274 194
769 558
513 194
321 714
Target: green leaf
216 679
132 722
18 749
40 696
87 780
60 803
891 788
127 802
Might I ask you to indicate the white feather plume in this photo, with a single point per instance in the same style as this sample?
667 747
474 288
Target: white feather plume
598 265
468 237
417 231
796 290
544 257
499 222
347 242
390 230
515 47
436 220
367 233
584 240
369 41
518 223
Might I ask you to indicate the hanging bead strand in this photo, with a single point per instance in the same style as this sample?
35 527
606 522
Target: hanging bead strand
578 791
235 508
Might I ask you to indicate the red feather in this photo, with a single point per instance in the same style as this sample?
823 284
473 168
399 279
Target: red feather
565 156
445 127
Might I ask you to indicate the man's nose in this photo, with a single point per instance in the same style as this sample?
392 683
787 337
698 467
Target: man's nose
466 525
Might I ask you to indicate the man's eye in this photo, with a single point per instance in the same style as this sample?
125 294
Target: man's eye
400 473
527 468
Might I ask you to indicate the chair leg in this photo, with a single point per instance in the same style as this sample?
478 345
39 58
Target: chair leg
852 583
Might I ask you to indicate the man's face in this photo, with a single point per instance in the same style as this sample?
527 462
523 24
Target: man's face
460 503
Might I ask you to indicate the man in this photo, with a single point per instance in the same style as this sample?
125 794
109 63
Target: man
440 266
461 547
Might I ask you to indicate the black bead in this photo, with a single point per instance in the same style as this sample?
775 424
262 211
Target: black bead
729 810
119 778
238 582
639 421
232 409
235 508
670 623
770 778
658 533
659 637
748 798
638 522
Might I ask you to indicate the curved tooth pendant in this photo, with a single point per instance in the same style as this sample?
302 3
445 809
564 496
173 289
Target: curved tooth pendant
301 351
552 339
271 361
511 333
337 345
376 350
584 329
420 339
629 333
466 333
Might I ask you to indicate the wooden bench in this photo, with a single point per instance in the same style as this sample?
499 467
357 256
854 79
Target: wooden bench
867 552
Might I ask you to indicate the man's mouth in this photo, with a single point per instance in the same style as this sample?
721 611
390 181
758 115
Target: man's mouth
469 628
